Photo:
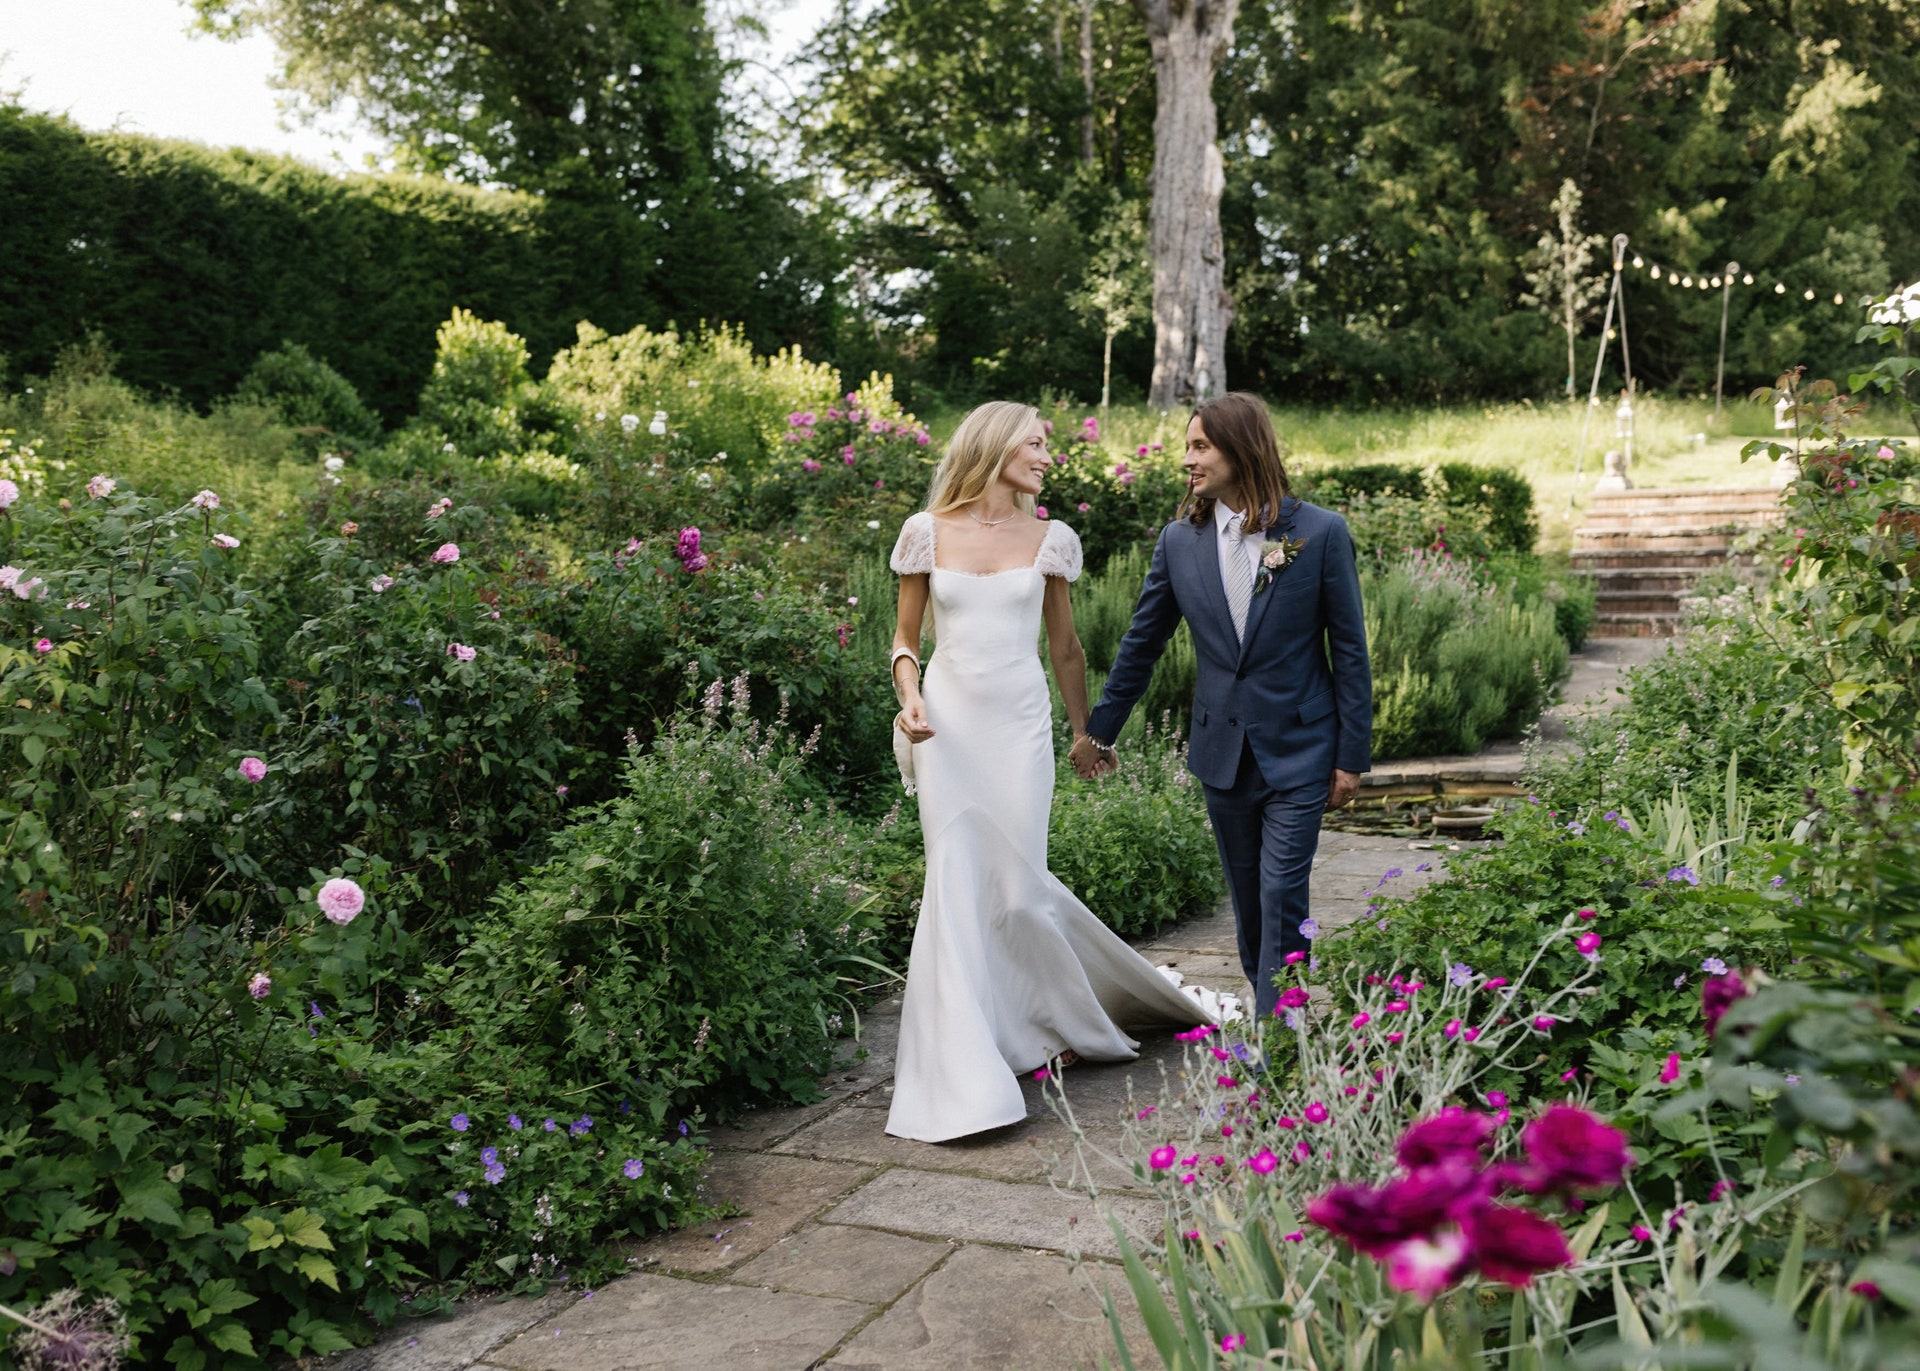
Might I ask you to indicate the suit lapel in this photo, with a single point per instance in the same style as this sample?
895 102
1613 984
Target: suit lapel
1257 612
1206 552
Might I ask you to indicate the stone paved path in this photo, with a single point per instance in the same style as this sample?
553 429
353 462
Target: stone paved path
854 1250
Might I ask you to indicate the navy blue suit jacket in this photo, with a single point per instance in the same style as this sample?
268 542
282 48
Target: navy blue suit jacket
1299 688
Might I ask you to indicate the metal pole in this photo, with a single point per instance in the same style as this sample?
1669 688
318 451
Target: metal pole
1599 358
1720 367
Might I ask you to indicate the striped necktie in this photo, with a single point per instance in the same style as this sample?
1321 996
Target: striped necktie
1239 576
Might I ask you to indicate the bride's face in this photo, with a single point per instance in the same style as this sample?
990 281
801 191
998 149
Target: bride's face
1030 463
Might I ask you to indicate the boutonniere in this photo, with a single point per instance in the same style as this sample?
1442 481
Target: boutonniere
1280 553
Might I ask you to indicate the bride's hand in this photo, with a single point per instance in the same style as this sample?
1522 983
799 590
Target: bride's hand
912 721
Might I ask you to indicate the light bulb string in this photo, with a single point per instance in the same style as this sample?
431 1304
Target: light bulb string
1681 278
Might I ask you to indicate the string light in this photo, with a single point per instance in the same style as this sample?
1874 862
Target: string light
1809 292
1637 262
1747 280
1656 270
1779 289
1687 282
1673 276
1839 299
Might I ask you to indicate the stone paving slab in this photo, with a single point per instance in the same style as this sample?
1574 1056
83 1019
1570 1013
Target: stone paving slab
973 1209
1040 1149
989 1309
777 1194
646 1321
850 1263
454 1341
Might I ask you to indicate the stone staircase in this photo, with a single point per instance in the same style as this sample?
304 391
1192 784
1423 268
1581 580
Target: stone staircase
1644 549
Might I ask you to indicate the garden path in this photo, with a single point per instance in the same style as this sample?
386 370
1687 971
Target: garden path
860 1252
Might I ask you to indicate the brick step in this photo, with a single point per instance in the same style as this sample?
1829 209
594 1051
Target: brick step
1642 580
1663 543
1638 604
1686 498
1724 521
1634 625
1592 563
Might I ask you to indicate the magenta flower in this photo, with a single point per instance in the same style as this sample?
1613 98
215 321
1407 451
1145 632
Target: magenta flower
1544 1022
1587 944
1514 1245
1316 1112
1721 1189
1424 1268
1362 1019
1263 1162
1083 506
1452 1030
1585 914
1571 1149
341 900
1293 997
1866 1290
1454 1135
1039 511
808 464
446 553
1718 995
1043 1074
1671 1071
43 645
1163 1157
260 986
1233 1342
253 769
1641 1233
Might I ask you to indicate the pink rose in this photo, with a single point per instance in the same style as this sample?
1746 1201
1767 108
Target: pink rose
341 900
9 492
225 540
43 645
462 651
260 986
446 552
253 769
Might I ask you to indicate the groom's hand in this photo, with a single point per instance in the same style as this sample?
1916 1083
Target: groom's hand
1342 788
1090 758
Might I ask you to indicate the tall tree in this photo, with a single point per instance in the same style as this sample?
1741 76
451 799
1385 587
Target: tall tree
1191 308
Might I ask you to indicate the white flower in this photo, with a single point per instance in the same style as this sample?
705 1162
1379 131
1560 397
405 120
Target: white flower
334 463
446 447
719 456
206 499
658 428
873 523
225 540
629 423
703 480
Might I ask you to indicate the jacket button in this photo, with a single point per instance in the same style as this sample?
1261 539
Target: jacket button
1233 723
1239 675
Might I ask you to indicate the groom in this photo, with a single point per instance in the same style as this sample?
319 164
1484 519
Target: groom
1283 708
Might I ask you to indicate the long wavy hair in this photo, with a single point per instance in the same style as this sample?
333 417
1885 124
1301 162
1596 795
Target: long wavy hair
1237 424
978 452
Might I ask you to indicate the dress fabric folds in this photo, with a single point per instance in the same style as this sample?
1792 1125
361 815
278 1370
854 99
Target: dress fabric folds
1008 968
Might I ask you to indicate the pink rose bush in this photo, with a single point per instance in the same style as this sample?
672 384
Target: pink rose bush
341 900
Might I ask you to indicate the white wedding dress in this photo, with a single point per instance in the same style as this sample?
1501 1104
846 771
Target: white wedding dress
1008 969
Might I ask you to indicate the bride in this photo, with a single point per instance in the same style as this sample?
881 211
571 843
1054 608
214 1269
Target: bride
1009 971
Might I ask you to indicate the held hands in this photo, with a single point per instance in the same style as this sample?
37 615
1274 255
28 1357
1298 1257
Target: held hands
912 721
1091 758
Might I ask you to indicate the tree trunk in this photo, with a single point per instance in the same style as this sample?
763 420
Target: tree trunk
1086 82
1191 309
1106 379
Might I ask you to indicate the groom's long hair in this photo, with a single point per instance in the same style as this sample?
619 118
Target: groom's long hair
1237 424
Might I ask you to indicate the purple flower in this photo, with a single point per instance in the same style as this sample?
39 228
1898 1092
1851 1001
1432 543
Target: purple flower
1713 966
1309 929
260 986
633 1169
549 1125
1777 882
314 1006
496 1173
459 1123
513 1122
462 1198
1684 874
489 1155
1460 975
1453 1135
581 1125
684 1130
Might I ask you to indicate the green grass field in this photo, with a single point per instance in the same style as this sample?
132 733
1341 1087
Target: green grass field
1676 443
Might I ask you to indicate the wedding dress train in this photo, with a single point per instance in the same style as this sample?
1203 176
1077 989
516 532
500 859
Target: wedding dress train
1008 968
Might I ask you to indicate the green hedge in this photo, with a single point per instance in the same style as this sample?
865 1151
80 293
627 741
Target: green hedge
192 261
1506 496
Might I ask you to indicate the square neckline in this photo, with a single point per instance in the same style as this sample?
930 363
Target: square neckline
933 526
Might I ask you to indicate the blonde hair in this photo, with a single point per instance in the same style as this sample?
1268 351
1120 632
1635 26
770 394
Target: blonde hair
978 452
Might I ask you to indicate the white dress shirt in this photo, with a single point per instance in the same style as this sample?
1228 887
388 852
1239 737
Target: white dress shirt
1250 547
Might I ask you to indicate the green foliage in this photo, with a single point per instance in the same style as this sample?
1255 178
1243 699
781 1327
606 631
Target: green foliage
191 262
430 722
1455 661
684 947
1103 607
1491 506
311 396
1136 847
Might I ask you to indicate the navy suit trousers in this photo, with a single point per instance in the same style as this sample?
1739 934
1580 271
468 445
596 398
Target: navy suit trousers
1267 839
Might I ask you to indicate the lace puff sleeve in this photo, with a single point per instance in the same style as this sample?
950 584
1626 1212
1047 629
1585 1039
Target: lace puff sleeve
913 554
1059 553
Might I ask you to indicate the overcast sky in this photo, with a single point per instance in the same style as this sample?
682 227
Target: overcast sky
133 63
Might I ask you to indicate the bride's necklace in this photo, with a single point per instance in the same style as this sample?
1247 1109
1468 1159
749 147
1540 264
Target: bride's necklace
989 523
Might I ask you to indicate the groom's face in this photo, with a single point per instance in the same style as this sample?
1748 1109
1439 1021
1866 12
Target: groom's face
1210 475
